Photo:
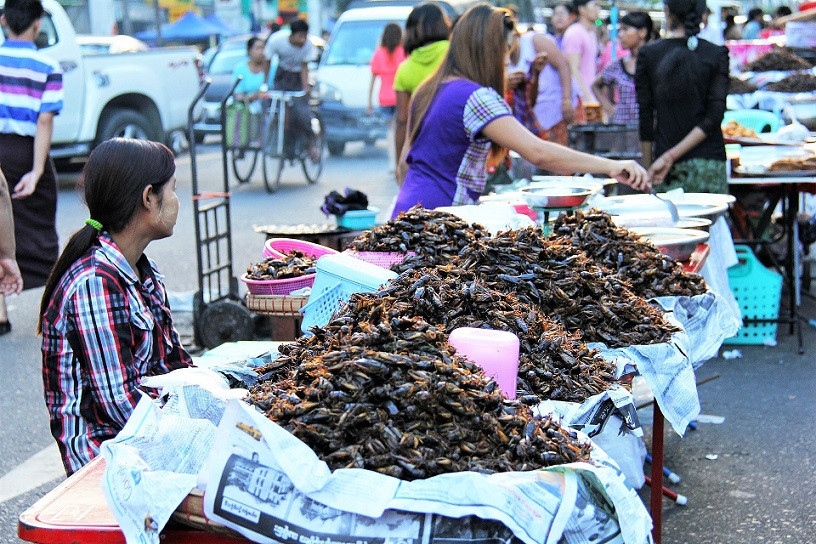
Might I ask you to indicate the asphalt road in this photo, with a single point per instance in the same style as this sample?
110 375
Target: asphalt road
760 487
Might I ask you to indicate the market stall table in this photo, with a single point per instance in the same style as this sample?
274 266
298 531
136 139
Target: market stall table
75 512
326 235
784 190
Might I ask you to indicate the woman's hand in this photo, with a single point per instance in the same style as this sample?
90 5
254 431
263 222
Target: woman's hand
630 173
538 64
660 169
514 79
567 111
609 109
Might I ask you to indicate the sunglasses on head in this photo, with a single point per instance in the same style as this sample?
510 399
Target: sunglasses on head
509 24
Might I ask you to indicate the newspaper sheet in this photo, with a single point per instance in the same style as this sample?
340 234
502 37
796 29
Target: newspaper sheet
151 466
154 461
668 371
708 319
266 484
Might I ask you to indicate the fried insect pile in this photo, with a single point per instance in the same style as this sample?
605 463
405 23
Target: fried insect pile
567 286
395 398
294 265
434 236
650 272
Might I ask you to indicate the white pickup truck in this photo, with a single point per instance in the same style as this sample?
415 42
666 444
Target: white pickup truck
138 95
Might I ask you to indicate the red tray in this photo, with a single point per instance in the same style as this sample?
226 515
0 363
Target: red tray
75 512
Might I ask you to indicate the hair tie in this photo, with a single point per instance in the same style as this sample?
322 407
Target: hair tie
94 223
692 43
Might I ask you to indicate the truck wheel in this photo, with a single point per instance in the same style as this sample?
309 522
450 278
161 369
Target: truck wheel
127 124
336 148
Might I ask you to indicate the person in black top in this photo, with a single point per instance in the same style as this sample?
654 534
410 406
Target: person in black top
682 83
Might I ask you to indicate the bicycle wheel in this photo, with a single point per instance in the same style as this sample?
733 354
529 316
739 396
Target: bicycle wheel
312 169
243 163
272 169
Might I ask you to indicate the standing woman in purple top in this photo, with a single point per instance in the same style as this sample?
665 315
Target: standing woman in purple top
30 97
458 117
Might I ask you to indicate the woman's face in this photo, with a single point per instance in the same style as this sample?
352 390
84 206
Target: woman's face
561 18
256 52
168 209
629 36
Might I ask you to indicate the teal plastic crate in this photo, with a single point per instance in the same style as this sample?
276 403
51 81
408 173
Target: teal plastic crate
358 219
757 291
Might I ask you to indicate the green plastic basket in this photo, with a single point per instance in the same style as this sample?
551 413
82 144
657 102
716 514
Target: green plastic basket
757 291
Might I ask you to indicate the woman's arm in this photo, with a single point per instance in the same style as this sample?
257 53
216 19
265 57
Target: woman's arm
558 61
10 279
645 100
509 133
370 108
401 124
659 169
599 90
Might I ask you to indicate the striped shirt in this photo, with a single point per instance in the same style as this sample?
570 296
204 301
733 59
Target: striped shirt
104 328
30 84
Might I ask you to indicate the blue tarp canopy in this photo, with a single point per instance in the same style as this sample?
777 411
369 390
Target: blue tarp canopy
189 27
217 22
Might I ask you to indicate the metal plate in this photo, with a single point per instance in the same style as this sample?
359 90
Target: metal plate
630 222
678 244
709 206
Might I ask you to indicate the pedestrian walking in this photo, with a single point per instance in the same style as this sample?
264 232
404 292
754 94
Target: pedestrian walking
30 97
563 16
426 43
384 63
682 83
614 87
580 45
459 118
11 282
104 316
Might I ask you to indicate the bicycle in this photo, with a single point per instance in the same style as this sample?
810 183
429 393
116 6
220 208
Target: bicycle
274 139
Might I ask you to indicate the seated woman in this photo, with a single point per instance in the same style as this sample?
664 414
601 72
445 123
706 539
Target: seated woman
458 114
104 316
254 72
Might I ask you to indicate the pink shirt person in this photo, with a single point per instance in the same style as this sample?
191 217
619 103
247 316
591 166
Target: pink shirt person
384 65
584 43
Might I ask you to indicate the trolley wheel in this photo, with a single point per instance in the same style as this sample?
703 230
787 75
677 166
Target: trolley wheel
272 170
311 169
224 321
243 164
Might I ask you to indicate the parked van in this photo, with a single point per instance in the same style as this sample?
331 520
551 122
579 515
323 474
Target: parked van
344 74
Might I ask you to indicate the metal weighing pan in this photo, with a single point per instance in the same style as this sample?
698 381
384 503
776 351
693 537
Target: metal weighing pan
555 196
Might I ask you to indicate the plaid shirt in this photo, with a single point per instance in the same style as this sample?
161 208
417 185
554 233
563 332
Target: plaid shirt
103 330
483 106
626 109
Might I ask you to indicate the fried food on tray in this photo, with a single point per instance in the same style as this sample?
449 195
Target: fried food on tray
732 129
794 165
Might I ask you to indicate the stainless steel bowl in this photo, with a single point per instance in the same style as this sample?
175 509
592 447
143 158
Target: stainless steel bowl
676 243
555 197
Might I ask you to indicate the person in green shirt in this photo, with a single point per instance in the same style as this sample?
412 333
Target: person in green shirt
426 43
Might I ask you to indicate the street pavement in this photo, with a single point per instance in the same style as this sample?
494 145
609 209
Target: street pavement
759 488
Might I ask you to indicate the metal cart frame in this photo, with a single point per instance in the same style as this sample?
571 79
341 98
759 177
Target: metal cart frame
219 315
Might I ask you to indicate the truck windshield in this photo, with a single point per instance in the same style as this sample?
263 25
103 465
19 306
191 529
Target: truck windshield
225 61
354 43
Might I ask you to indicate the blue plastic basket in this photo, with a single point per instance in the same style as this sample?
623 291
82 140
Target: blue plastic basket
338 277
757 291
358 219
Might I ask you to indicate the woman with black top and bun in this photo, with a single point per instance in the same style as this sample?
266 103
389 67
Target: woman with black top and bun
682 83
